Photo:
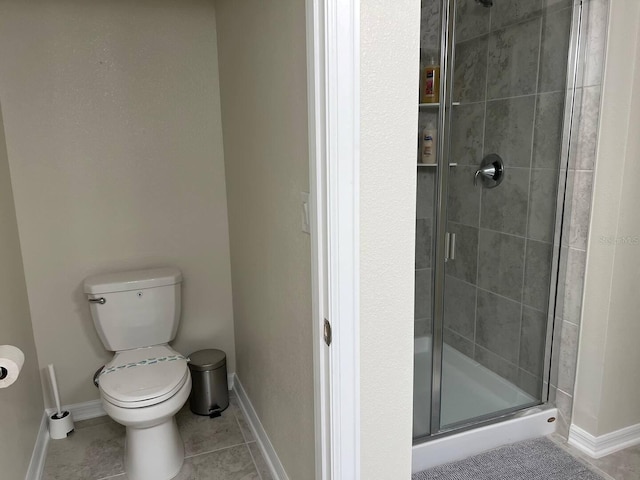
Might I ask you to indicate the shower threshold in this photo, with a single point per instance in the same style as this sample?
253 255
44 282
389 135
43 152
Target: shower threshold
470 393
469 390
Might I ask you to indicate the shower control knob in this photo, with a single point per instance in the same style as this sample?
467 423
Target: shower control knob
491 171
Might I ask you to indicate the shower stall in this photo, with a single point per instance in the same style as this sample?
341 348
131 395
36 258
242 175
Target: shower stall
489 209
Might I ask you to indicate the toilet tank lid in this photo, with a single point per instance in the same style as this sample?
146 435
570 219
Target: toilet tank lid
132 280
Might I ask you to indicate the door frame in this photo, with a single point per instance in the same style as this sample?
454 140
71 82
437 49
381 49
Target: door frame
333 75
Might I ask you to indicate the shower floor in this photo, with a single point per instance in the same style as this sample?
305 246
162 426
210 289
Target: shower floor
469 390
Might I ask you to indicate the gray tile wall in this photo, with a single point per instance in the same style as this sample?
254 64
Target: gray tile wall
429 42
474 30
510 76
510 79
578 207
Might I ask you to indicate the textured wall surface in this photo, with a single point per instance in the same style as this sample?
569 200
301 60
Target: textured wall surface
263 90
114 138
21 403
388 86
577 209
607 395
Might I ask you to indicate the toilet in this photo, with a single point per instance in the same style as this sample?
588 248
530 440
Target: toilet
136 315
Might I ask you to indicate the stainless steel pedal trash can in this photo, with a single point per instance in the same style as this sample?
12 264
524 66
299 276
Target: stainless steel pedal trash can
209 390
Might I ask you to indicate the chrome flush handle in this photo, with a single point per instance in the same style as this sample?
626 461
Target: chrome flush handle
100 300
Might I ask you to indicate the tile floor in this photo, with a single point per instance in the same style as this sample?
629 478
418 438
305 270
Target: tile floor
622 465
222 448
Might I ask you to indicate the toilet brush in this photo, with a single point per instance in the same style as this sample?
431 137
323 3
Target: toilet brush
60 423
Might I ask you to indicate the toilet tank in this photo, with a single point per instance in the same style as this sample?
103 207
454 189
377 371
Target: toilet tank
135 309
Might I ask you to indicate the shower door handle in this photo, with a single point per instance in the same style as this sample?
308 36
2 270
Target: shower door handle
452 247
449 246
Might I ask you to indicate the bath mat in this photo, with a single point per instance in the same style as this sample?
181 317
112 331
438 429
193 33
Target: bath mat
538 459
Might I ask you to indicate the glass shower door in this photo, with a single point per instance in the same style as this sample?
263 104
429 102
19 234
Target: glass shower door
426 213
496 212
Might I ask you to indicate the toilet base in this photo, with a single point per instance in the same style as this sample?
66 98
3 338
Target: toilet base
143 445
154 449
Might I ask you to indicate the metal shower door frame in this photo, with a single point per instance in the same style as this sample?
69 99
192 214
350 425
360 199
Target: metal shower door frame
447 62
444 123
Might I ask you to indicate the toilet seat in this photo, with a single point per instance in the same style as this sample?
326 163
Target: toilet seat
143 376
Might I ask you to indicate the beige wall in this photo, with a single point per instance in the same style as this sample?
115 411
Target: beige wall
607 394
388 124
21 403
115 146
263 90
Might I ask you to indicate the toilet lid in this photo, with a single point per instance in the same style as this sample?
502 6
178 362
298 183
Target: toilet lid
143 376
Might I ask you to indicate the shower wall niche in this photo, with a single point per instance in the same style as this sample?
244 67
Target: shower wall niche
509 83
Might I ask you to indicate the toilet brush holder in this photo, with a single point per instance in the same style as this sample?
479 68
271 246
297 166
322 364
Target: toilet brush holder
60 422
60 425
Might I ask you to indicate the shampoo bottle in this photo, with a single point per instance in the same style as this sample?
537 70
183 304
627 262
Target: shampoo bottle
429 136
430 92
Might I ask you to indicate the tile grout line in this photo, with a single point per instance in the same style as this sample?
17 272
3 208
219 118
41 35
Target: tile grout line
503 233
497 294
484 144
240 426
246 443
578 456
255 465
512 97
542 12
215 450
529 197
205 453
241 429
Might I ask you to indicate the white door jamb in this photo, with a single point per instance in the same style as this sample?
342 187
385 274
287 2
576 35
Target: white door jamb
333 71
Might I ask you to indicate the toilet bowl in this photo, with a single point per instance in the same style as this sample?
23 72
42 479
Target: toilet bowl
143 389
136 315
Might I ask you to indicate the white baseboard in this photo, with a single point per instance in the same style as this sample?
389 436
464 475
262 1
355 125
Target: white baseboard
602 445
85 411
39 455
82 411
269 453
79 411
94 409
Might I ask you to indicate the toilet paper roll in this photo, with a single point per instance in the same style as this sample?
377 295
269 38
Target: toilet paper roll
11 362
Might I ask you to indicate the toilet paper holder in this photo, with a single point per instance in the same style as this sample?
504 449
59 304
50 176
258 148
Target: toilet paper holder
11 362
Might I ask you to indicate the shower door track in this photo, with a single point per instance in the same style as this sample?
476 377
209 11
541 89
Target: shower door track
489 419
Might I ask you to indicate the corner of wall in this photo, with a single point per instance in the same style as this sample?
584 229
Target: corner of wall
389 50
578 237
608 236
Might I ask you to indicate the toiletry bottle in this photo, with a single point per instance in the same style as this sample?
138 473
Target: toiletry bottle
428 151
430 82
421 75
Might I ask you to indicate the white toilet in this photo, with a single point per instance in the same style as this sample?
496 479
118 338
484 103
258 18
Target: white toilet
136 314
